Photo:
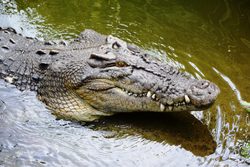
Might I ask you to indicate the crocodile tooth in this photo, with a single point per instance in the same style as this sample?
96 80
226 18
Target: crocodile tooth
149 94
129 93
153 96
187 99
170 108
162 107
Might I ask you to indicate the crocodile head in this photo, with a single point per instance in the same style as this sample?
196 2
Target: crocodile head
97 75
123 78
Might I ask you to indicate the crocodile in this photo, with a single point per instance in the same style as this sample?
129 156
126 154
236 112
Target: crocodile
98 75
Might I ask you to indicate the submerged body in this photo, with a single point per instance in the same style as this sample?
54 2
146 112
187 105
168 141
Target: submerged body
97 75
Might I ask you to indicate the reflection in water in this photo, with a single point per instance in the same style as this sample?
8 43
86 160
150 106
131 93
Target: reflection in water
207 38
19 20
232 85
173 128
198 70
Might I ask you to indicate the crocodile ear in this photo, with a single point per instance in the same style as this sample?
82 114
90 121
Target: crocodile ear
116 42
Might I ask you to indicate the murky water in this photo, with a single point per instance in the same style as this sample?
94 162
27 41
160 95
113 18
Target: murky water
210 39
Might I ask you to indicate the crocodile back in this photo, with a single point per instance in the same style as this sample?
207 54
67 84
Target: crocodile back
18 64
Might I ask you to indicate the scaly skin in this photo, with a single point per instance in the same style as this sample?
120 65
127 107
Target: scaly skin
97 75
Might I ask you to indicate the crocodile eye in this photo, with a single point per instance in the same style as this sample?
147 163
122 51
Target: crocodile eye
121 64
116 45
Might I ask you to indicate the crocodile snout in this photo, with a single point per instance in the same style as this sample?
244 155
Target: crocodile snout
203 93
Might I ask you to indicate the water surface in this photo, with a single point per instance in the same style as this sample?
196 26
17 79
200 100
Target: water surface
210 39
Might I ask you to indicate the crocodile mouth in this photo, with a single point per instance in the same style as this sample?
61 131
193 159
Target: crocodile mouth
175 105
108 96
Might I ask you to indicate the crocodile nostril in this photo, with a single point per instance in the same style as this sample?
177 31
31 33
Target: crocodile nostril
205 84
202 84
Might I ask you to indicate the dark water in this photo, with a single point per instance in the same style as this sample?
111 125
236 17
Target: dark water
210 39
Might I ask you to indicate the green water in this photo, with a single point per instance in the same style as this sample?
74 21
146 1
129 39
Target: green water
210 39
